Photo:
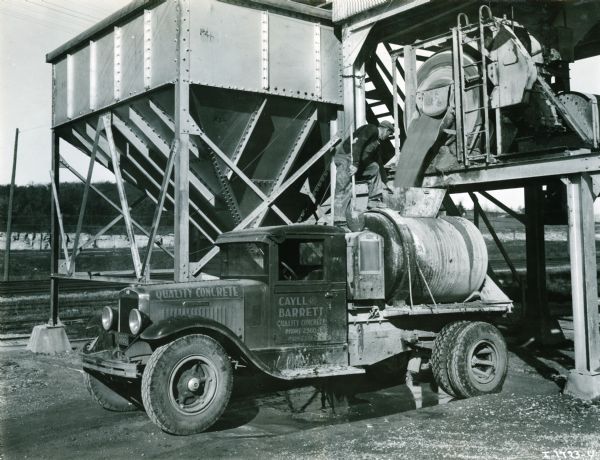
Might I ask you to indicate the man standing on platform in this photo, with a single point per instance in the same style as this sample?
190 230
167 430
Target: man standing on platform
361 155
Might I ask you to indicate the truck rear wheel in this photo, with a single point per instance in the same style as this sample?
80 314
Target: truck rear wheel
108 398
442 350
478 363
187 384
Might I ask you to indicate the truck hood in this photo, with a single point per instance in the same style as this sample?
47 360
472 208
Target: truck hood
224 301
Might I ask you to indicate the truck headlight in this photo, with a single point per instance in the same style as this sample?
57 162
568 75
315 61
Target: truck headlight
108 318
135 321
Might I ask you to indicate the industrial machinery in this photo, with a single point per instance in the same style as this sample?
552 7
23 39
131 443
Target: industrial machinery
484 96
305 301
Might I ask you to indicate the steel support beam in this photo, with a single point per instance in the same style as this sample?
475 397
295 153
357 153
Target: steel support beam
86 189
182 134
506 209
135 255
54 231
108 226
490 227
248 130
291 158
513 175
215 148
271 199
63 237
163 147
537 319
584 381
352 45
293 178
158 210
103 196
83 139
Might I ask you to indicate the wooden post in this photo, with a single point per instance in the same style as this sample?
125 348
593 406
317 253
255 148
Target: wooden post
10 206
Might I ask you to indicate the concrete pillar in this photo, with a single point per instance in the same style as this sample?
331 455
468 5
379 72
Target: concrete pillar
52 337
583 381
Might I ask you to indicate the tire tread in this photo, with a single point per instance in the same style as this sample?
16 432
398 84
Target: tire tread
457 370
103 400
441 353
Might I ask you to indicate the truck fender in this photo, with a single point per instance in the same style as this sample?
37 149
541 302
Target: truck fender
177 326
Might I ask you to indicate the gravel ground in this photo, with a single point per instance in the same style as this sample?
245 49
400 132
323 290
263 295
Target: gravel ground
45 412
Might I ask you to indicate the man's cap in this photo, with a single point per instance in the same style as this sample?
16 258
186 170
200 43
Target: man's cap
387 125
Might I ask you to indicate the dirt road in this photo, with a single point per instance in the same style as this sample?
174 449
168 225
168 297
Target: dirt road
45 412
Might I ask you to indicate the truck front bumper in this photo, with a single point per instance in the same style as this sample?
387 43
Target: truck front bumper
104 362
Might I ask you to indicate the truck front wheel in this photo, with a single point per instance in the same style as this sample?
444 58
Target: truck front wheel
187 384
478 362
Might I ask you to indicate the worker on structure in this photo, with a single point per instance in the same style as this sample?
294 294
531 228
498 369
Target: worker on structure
361 155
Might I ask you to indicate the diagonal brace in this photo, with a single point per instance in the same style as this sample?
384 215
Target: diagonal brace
197 131
135 255
86 191
159 207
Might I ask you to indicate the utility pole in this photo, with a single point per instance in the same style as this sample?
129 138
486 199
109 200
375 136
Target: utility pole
10 206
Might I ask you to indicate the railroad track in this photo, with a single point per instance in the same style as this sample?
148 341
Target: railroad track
40 287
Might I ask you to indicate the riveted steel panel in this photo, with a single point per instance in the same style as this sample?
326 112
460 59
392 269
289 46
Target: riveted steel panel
132 58
242 48
60 91
104 73
80 82
225 41
163 44
291 56
331 66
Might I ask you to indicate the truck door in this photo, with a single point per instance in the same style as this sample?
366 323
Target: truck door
309 302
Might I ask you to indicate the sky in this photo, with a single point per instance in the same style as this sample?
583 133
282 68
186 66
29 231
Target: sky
31 28
28 30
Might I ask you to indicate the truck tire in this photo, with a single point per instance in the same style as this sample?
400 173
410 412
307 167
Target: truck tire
108 398
186 384
442 349
479 360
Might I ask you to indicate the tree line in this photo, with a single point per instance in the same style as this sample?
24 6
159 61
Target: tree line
31 208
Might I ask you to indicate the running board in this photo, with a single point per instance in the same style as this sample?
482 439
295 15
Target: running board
320 371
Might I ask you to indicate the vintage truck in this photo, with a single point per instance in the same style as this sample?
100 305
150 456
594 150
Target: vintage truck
305 301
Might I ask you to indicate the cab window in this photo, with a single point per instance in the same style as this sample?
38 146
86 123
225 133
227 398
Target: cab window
244 260
301 260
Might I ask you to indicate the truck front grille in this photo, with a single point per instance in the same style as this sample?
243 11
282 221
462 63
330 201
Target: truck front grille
126 304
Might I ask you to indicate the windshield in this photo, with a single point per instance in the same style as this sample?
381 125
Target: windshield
244 260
